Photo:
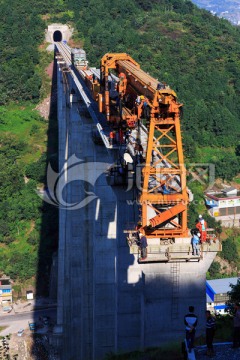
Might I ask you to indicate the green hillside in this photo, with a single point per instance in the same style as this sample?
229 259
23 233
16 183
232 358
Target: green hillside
194 52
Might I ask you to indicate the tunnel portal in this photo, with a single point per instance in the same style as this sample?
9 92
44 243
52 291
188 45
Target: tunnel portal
57 36
58 32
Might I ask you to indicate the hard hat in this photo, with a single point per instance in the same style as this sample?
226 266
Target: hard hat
200 216
198 234
142 97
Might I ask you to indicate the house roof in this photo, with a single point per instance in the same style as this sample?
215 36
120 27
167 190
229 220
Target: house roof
221 286
208 299
218 196
229 189
4 287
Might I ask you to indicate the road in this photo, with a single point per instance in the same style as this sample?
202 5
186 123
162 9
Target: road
14 322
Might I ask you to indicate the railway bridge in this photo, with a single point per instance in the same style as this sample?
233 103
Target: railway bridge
108 300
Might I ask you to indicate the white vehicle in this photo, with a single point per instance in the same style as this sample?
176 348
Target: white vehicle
20 332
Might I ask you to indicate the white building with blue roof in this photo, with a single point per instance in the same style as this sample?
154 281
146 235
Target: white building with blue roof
216 292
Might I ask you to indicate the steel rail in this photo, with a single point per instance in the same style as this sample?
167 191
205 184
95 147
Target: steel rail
66 54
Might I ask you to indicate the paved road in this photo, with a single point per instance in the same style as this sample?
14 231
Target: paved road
222 352
16 321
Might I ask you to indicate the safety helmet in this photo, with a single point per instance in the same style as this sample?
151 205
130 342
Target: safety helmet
122 75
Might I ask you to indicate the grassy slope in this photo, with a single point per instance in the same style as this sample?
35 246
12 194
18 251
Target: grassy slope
19 120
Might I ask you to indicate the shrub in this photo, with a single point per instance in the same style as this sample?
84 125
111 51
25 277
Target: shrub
214 270
229 250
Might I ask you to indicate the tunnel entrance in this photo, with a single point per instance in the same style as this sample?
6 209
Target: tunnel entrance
57 33
57 36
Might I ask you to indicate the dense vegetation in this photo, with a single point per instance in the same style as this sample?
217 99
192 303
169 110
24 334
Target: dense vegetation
24 232
193 51
21 33
188 48
234 296
227 263
27 240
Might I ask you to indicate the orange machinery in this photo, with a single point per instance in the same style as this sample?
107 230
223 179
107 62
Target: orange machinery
163 196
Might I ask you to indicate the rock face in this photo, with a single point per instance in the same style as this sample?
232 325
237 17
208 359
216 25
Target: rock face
44 108
46 105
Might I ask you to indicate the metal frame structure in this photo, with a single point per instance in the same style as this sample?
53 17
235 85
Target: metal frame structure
164 163
169 197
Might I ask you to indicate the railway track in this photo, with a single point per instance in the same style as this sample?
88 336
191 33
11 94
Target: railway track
65 52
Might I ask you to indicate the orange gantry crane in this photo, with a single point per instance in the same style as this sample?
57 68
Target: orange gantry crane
163 195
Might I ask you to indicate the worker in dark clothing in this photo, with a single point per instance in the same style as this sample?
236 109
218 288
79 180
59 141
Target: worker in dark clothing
210 331
236 326
190 320
127 134
143 246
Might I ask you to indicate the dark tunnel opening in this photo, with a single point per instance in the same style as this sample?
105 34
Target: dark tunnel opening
57 36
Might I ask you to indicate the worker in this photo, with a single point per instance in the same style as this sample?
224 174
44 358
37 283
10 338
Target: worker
146 109
120 132
190 321
143 246
122 76
111 137
127 134
139 153
165 189
202 227
195 243
210 331
160 86
138 100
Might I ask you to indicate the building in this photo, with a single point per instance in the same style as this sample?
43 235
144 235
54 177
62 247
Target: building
224 206
5 291
216 291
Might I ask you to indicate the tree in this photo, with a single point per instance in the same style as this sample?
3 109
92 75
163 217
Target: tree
214 270
229 251
37 170
213 223
227 167
234 296
237 150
